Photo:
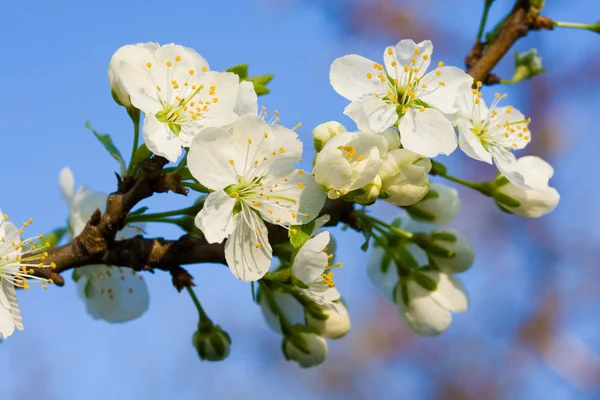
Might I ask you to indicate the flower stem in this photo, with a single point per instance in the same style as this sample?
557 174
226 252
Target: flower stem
283 321
134 114
400 232
482 187
486 10
203 317
575 25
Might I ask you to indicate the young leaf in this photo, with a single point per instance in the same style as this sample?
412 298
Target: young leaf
240 70
108 144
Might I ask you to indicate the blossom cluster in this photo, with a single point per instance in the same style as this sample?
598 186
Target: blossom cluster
406 110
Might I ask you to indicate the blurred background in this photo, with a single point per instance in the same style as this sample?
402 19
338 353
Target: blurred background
533 329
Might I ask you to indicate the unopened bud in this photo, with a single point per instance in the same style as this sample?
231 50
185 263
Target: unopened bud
368 194
440 206
459 245
404 177
527 65
307 349
213 344
326 131
333 323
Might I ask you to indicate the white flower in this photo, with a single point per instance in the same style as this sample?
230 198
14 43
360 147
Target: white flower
250 168
392 136
326 131
311 267
116 86
307 349
290 307
402 92
173 86
488 134
524 201
337 323
428 312
113 294
440 206
369 193
449 239
349 161
15 271
404 177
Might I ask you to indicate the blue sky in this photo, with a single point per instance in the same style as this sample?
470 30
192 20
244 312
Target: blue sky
54 79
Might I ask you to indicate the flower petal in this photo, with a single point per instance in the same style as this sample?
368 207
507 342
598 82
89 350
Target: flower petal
450 291
403 53
365 171
284 162
213 159
255 144
427 133
216 219
246 261
348 77
423 315
67 185
470 143
521 174
332 169
444 89
138 82
289 306
294 200
160 139
247 100
311 260
372 114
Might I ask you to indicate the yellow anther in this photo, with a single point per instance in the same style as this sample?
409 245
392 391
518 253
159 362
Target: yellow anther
278 220
177 58
293 215
257 245
438 73
369 75
422 109
394 63
204 69
281 149
235 195
249 141
390 51
266 135
440 64
307 215
406 68
169 63
191 72
359 158
301 186
149 65
413 60
442 84
300 171
270 211
479 84
425 57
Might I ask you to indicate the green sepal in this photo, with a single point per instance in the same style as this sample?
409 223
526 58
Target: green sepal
384 194
503 208
175 128
500 181
301 235
418 214
432 194
425 281
75 276
88 289
443 236
506 200
108 144
139 211
240 70
438 167
439 251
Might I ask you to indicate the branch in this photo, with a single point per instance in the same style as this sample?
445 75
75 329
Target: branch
485 56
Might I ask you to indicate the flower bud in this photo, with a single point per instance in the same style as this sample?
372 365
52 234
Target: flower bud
440 206
290 307
458 244
118 91
307 349
527 65
212 344
404 177
525 201
333 323
322 133
368 194
392 136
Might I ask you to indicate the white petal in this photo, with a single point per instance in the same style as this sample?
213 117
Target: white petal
470 143
538 172
515 172
160 139
284 162
450 292
288 305
311 260
444 98
67 185
384 281
296 201
85 202
169 52
255 144
424 315
113 294
332 169
138 82
372 114
7 327
246 261
216 217
365 171
219 112
348 77
247 101
210 159
427 133
403 53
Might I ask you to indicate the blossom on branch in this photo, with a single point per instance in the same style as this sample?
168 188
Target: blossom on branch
177 92
250 169
402 93
111 293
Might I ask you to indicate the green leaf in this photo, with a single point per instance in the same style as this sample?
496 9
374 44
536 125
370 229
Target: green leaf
240 70
140 155
108 144
261 89
425 281
260 83
299 234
